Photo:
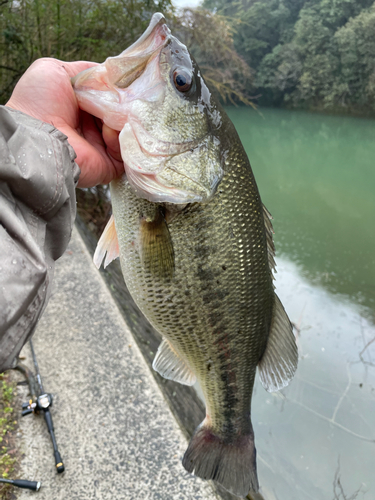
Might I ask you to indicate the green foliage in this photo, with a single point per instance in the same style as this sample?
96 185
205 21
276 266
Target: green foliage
95 29
356 50
336 44
7 426
280 72
261 26
317 54
68 30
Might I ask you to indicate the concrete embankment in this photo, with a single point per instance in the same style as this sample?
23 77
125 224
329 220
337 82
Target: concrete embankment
115 431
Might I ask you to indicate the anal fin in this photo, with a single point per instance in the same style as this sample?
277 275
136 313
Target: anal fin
279 361
107 244
169 364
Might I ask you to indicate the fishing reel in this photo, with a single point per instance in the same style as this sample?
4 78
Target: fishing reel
41 403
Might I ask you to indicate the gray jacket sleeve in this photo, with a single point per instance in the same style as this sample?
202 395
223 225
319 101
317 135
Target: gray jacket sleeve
37 210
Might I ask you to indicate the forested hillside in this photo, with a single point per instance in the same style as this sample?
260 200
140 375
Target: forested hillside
313 54
96 29
317 54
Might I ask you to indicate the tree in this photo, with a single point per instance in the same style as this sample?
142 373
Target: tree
356 49
260 28
68 29
279 73
306 53
227 74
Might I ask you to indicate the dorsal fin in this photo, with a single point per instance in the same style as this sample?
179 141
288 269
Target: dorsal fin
279 361
269 236
108 244
170 365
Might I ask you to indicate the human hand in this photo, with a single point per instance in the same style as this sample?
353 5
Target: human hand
45 92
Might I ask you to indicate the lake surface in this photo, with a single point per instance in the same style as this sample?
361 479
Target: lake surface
316 175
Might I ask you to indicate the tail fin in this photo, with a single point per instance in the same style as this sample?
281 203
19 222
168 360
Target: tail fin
230 463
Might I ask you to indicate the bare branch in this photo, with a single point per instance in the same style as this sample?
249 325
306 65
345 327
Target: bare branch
9 68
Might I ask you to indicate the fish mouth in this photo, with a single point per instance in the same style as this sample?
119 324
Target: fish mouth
125 68
155 37
147 164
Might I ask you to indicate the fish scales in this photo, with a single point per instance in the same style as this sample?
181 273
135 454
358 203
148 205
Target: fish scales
195 244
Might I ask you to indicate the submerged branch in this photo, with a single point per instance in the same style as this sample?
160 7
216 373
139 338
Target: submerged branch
338 489
366 346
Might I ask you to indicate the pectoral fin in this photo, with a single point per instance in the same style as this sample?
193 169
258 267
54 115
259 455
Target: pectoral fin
108 244
156 248
170 365
279 361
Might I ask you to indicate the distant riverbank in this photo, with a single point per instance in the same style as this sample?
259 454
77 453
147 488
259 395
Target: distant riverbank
315 54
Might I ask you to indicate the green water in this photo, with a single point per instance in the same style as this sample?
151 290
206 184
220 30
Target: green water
316 175
315 439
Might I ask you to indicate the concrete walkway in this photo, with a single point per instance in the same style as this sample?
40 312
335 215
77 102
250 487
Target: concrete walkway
115 432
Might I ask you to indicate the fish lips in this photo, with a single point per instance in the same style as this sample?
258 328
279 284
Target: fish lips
155 37
161 171
123 69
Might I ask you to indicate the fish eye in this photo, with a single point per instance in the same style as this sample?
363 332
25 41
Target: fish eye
182 80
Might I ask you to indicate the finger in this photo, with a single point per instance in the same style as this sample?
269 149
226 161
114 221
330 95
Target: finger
110 165
111 139
92 164
95 164
107 144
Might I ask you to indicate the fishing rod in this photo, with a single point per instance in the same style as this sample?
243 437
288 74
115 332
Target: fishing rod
43 403
22 483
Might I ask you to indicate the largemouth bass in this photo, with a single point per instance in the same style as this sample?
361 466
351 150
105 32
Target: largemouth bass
195 244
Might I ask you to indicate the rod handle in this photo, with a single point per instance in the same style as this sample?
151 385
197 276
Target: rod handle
23 483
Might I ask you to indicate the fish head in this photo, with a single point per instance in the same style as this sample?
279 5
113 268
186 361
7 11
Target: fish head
155 95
